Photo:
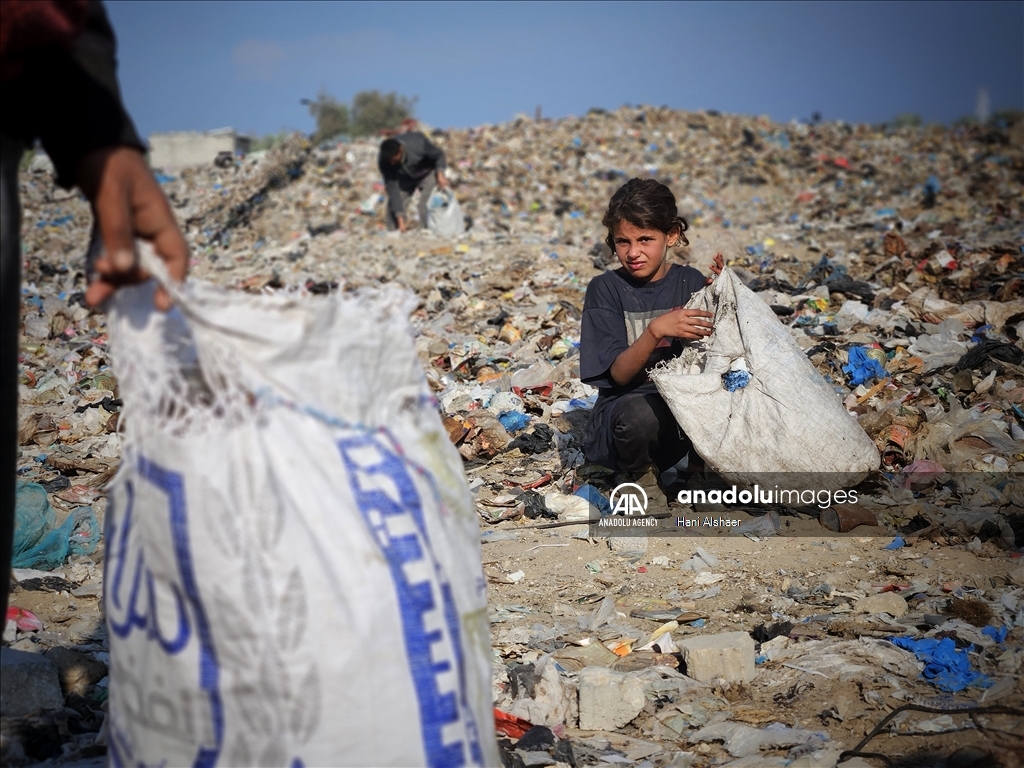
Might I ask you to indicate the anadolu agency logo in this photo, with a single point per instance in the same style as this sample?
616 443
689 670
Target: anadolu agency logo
628 499
629 509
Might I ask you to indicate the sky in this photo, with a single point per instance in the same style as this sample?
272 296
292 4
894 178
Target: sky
204 65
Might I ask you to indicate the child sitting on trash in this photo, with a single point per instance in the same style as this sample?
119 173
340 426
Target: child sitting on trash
633 318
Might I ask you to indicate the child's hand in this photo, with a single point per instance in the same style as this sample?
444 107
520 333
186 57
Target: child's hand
682 323
716 267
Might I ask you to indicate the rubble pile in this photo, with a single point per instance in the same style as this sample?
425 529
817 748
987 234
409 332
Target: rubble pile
894 257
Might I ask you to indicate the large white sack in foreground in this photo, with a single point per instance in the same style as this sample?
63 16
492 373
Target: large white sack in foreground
293 568
786 419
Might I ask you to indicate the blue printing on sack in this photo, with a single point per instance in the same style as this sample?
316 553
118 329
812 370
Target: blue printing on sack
373 438
172 485
437 710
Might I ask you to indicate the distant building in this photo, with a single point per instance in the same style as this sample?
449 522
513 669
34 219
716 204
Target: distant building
184 148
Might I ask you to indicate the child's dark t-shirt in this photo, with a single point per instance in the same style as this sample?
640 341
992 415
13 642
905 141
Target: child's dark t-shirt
616 311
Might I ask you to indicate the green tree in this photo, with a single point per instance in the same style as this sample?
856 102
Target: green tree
269 141
906 120
332 117
373 111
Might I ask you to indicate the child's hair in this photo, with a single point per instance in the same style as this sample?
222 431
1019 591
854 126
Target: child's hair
647 204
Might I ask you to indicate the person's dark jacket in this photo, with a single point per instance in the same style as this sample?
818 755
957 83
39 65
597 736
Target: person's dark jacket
421 158
58 69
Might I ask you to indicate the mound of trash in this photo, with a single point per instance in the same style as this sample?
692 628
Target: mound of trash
894 258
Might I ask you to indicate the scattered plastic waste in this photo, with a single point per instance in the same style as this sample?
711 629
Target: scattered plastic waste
734 380
510 725
38 541
24 619
863 368
594 497
513 421
701 561
568 507
493 535
767 524
537 441
743 740
996 633
945 665
921 475
837 241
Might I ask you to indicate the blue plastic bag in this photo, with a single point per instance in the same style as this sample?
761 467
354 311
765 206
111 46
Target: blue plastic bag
863 368
42 544
734 380
595 497
582 403
944 665
513 421
996 633
33 517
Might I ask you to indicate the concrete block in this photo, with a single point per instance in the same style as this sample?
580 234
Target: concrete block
608 699
728 655
545 698
28 682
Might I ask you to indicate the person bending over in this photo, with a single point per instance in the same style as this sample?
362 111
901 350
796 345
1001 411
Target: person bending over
408 162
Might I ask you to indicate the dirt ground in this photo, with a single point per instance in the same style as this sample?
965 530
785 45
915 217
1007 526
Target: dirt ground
559 585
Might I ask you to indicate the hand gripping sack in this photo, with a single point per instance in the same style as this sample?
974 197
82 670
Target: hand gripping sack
444 214
785 419
293 571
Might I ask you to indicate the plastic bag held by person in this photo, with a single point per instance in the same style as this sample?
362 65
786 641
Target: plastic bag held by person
444 214
782 417
293 572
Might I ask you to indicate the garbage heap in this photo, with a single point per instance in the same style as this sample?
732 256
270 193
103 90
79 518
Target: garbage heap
894 257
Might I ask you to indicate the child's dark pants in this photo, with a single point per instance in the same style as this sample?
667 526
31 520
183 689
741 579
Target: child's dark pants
645 432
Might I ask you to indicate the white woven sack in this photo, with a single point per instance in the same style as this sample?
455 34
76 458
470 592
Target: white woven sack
786 419
445 220
293 567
